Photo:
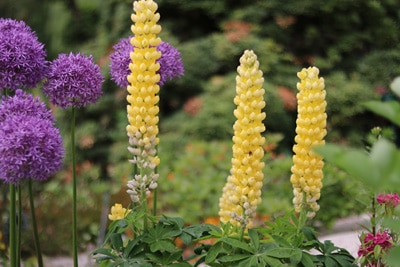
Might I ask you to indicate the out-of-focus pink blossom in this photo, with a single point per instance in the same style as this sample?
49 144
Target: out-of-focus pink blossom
392 200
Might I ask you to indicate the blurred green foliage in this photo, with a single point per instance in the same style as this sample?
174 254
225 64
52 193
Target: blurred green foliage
355 43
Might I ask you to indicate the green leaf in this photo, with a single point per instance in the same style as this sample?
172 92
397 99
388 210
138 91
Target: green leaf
130 246
255 240
234 258
389 110
356 162
281 241
393 258
237 244
328 247
306 259
197 230
116 241
330 262
395 86
273 262
213 252
180 264
344 260
163 245
284 253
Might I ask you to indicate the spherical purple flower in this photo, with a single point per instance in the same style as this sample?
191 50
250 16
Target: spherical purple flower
73 80
170 62
23 103
30 148
171 65
22 57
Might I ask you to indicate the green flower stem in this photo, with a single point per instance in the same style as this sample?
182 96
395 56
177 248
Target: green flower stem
373 216
34 226
12 244
155 197
19 225
145 210
303 214
155 202
74 223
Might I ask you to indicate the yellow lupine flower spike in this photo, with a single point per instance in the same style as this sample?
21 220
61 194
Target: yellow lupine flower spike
307 166
242 192
143 96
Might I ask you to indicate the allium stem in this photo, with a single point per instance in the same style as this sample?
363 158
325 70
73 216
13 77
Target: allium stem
34 226
73 155
13 247
19 225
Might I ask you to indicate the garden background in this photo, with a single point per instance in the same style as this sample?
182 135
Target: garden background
354 43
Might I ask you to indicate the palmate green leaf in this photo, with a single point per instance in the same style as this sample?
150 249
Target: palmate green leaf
389 110
162 245
356 162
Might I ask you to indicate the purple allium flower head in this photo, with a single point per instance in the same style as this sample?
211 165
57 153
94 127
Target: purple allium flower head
23 103
170 62
73 80
171 65
22 57
30 148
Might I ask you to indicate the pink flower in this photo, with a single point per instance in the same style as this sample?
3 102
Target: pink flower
369 241
392 200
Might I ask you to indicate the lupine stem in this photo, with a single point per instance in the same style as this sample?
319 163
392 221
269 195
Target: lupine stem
13 253
303 213
34 226
155 197
145 210
74 223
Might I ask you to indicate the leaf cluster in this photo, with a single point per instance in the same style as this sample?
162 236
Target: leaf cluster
284 242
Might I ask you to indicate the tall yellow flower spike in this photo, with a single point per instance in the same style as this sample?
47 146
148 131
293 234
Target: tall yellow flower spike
242 193
143 96
307 166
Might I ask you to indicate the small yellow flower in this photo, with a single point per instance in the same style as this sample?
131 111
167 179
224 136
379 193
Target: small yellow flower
242 192
307 166
118 212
